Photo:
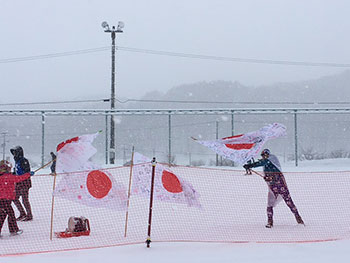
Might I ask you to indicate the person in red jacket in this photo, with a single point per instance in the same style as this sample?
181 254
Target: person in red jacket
7 195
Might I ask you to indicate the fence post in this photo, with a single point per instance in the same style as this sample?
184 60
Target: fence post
169 137
232 123
217 137
124 154
148 240
42 137
106 131
232 128
296 137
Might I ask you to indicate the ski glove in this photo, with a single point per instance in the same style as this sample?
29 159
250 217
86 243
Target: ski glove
32 173
247 166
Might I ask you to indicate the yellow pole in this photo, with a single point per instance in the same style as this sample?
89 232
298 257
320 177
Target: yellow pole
44 165
52 204
257 173
129 191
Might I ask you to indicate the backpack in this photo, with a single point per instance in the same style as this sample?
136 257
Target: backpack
78 224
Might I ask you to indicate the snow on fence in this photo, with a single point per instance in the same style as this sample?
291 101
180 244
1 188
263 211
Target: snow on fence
233 210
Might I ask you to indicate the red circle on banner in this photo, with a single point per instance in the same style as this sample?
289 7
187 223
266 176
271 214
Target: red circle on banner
98 184
170 182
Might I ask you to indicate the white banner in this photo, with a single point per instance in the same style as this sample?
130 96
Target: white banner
241 148
85 182
94 188
168 187
73 155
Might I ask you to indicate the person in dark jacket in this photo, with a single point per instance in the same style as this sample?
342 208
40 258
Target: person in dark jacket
277 185
7 195
53 165
22 166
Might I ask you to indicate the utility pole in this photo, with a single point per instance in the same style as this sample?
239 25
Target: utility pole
217 137
3 144
113 31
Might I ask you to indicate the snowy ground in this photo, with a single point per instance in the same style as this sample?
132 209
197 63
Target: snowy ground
215 252
200 252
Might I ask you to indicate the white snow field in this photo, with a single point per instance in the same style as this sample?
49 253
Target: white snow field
228 228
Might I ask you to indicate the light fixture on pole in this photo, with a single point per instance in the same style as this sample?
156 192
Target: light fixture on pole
113 31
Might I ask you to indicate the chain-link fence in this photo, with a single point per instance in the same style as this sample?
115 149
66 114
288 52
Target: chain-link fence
232 210
167 134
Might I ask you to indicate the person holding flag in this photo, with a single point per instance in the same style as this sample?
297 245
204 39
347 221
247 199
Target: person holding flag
277 185
53 165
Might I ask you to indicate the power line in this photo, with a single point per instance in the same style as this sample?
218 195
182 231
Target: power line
233 59
179 101
54 55
178 54
232 102
53 102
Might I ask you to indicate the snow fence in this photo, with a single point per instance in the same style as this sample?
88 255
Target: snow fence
233 209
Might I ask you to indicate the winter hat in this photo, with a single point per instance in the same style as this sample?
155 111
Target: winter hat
265 152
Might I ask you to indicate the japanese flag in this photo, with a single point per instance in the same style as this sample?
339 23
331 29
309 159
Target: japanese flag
74 154
96 188
168 186
84 181
241 148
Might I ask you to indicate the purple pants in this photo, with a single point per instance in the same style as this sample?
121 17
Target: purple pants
278 190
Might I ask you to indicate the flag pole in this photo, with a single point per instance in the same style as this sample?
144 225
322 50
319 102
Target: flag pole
44 165
52 204
148 241
128 202
264 179
257 173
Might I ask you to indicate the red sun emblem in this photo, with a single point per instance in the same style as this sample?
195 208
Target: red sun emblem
171 183
98 184
240 146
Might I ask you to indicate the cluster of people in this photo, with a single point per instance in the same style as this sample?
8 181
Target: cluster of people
13 186
16 184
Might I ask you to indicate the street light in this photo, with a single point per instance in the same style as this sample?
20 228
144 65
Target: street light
113 31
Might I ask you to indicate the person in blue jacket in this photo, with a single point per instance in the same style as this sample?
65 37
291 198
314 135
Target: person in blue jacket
277 185
22 166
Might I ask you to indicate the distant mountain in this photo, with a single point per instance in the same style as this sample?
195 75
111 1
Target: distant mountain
333 88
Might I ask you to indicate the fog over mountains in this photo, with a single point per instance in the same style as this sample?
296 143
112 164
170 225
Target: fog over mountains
318 134
333 88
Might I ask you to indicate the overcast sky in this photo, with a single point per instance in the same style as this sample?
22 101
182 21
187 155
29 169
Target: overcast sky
312 31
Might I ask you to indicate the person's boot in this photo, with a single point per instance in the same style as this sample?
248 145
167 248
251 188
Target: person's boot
269 224
28 218
299 220
20 231
21 217
29 215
